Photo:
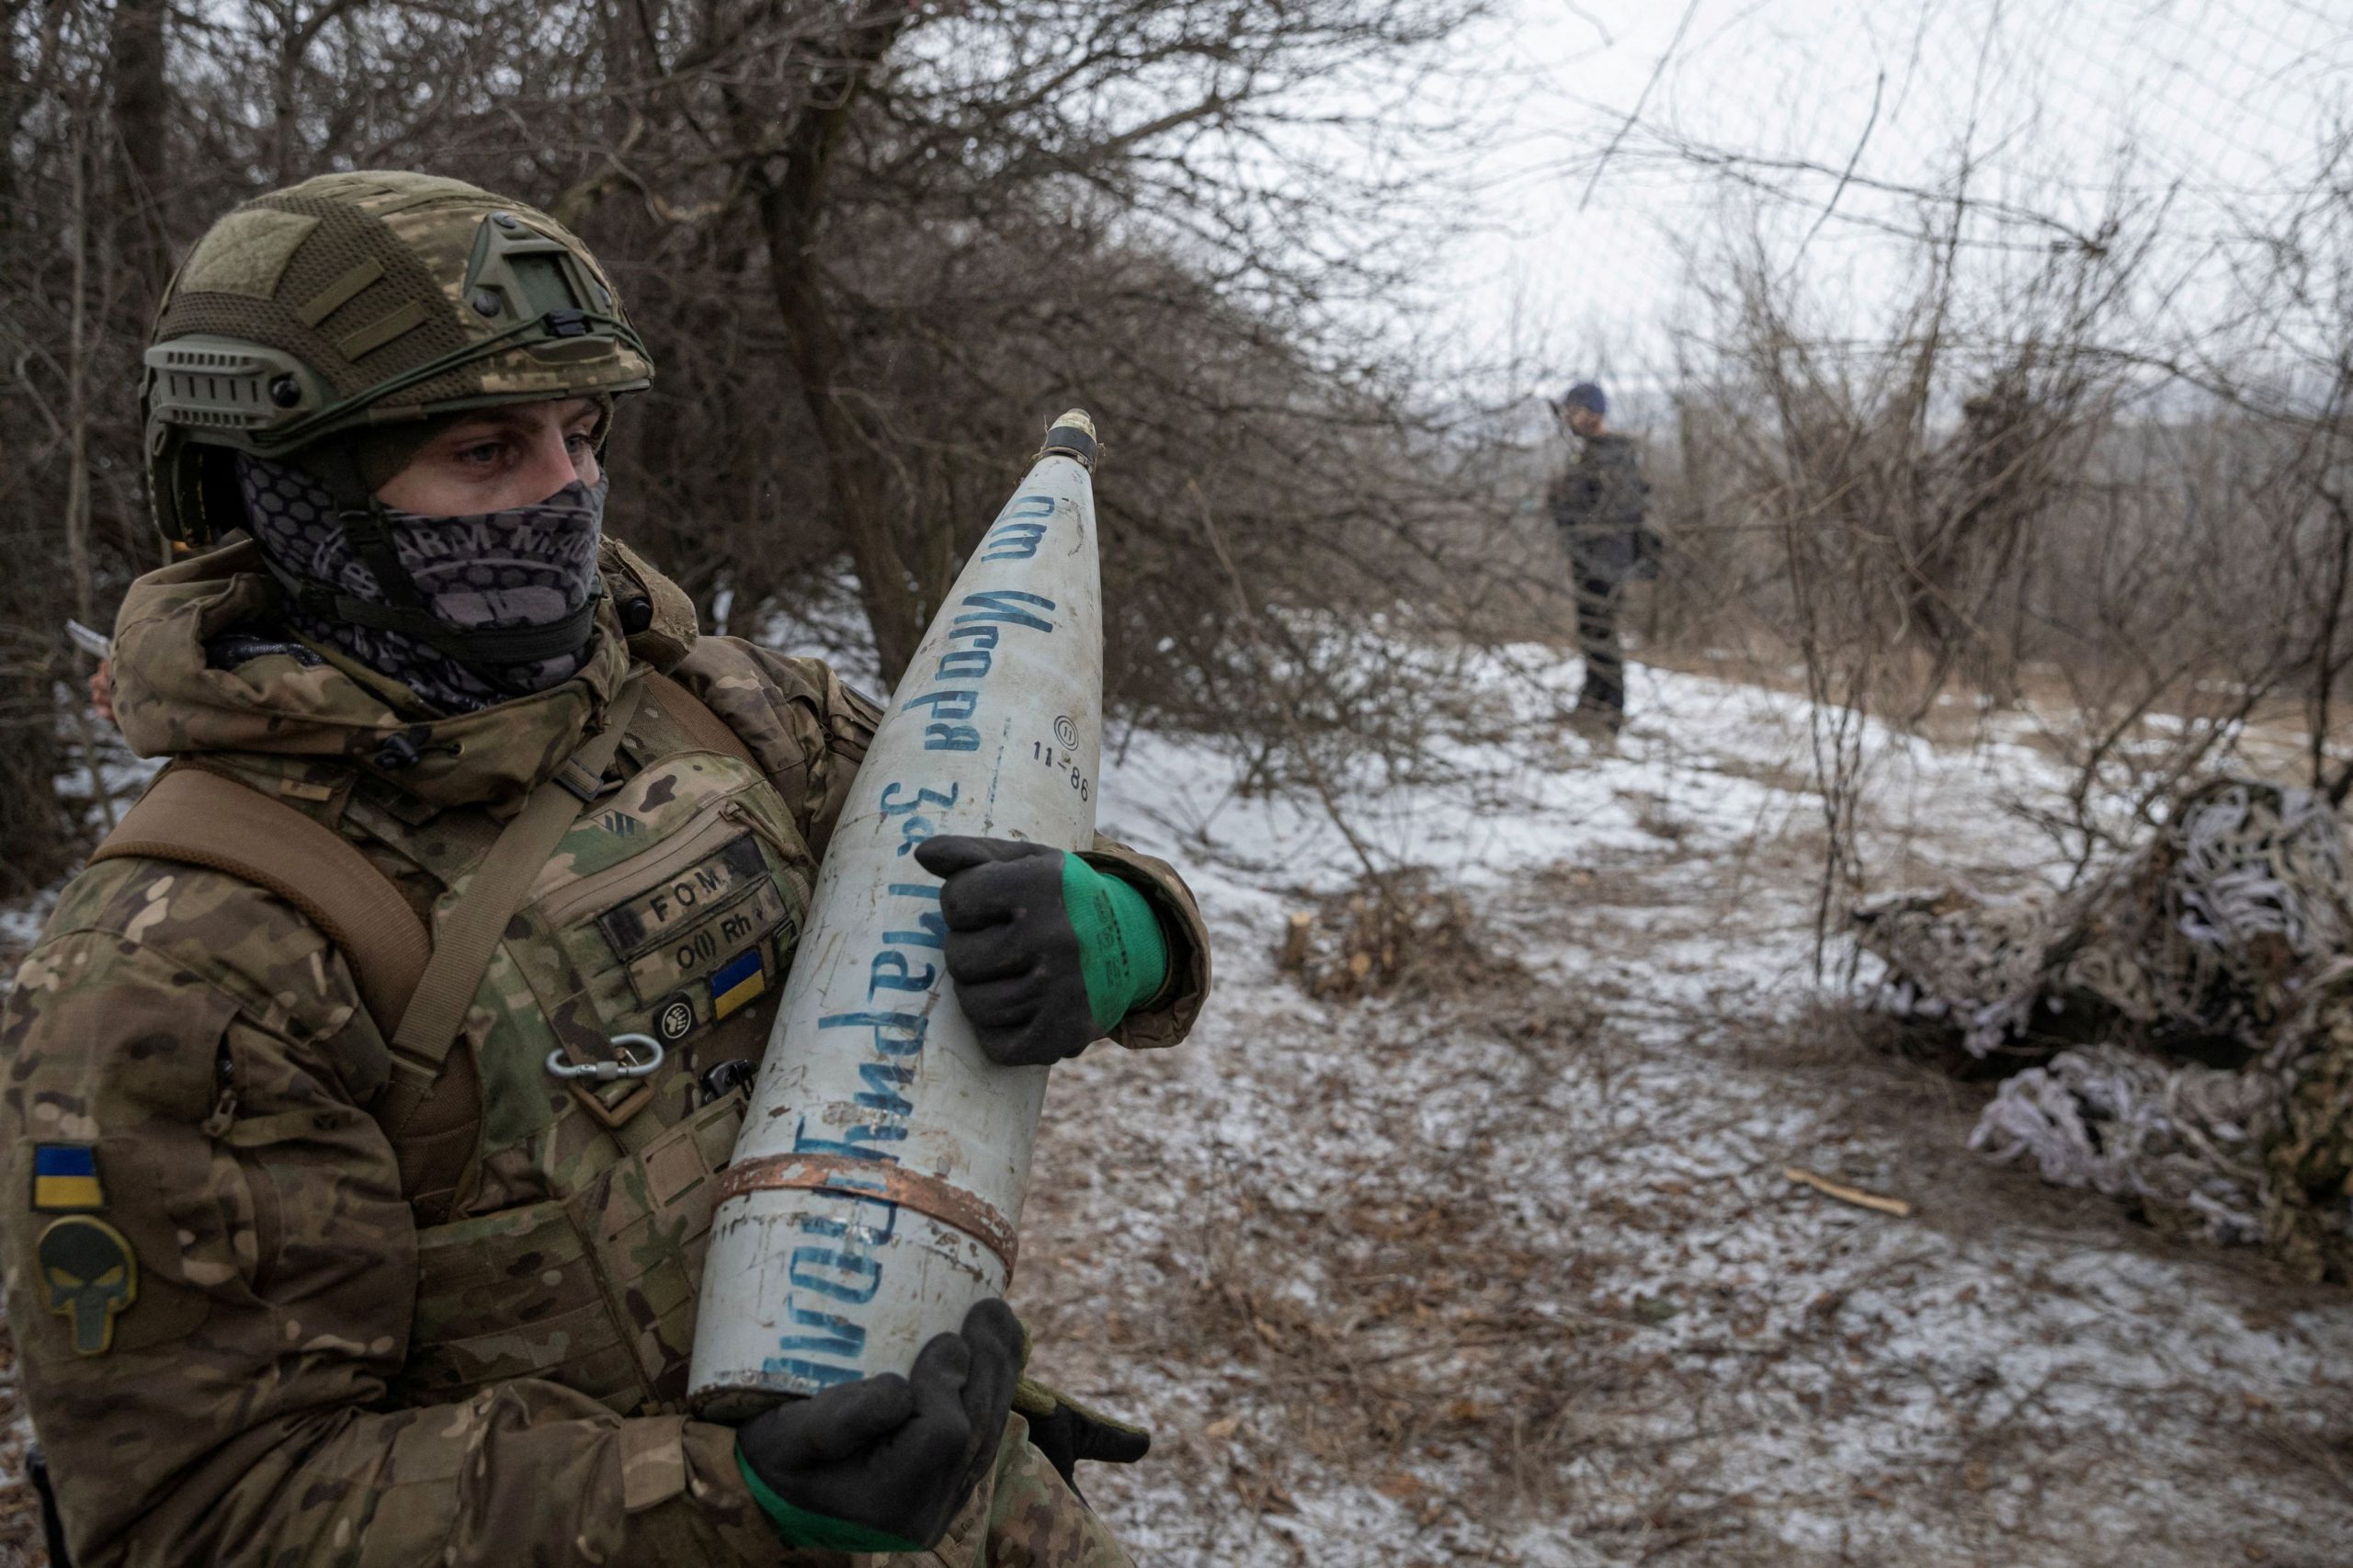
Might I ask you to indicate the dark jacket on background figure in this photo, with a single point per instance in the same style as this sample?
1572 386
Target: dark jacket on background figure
1598 502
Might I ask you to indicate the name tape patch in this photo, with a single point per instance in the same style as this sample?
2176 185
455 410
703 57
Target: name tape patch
637 923
691 952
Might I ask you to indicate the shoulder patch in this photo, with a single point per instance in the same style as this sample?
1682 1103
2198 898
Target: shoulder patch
90 1275
738 981
66 1180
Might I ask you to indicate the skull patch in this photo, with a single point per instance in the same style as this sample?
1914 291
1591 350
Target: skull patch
91 1276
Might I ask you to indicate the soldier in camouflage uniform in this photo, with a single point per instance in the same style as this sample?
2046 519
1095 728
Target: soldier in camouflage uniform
1597 501
274 1307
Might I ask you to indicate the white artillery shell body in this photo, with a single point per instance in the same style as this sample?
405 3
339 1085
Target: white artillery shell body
880 1174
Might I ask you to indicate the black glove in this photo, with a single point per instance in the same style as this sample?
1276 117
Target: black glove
1047 952
1066 1431
883 1463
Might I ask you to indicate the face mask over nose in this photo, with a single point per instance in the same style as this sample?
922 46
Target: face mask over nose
520 569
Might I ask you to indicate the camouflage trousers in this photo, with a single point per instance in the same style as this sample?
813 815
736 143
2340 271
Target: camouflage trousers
1605 661
667 1493
1032 1518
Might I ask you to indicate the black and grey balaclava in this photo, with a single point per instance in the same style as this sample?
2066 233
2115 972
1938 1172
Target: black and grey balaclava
527 566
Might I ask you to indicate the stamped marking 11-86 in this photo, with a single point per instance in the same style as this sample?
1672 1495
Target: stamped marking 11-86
1057 758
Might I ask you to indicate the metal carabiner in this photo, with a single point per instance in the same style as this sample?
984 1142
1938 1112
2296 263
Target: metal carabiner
606 1071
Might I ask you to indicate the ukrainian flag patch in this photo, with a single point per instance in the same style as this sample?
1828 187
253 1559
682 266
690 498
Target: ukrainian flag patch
736 982
65 1179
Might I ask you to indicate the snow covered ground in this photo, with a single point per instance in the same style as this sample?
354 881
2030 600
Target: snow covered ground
1507 1271
1511 1272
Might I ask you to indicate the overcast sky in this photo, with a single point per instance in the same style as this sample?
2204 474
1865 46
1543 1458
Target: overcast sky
2215 107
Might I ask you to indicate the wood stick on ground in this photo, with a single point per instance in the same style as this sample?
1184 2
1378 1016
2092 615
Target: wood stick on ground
1845 1194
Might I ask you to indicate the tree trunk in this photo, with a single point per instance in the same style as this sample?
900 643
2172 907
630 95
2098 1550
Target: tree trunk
139 152
791 212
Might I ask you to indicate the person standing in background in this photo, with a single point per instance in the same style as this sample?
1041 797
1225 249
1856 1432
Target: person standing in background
1599 501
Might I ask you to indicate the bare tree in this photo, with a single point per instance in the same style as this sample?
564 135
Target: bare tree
872 247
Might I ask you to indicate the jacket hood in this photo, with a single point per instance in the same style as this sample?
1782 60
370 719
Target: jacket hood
170 701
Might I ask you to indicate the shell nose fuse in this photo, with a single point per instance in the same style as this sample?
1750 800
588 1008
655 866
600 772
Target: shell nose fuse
877 1186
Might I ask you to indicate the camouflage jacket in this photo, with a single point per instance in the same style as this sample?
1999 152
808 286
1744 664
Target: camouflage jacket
252 1328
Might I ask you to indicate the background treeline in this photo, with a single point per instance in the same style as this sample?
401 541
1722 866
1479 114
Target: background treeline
2048 486
873 244
2041 451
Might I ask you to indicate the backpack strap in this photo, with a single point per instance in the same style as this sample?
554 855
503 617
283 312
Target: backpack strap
692 715
197 817
415 988
470 932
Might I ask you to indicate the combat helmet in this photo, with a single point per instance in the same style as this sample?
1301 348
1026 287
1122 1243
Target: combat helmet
353 304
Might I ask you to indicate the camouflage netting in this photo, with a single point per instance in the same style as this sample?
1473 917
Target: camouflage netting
2225 936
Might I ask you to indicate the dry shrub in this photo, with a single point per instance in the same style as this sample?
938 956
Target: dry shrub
1395 935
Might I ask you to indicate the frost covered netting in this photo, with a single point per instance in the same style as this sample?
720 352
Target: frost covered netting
2121 1122
1953 957
2230 925
2205 931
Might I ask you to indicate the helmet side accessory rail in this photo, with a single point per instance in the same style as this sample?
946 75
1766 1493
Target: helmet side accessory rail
228 385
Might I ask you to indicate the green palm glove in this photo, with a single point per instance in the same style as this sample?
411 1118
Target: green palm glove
1047 952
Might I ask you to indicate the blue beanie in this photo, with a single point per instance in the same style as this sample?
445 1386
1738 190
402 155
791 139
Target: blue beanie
1585 394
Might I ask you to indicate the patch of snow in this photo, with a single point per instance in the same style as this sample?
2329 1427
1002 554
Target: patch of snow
1620 1333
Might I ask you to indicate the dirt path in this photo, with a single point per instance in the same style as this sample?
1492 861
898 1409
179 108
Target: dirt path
1512 1274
